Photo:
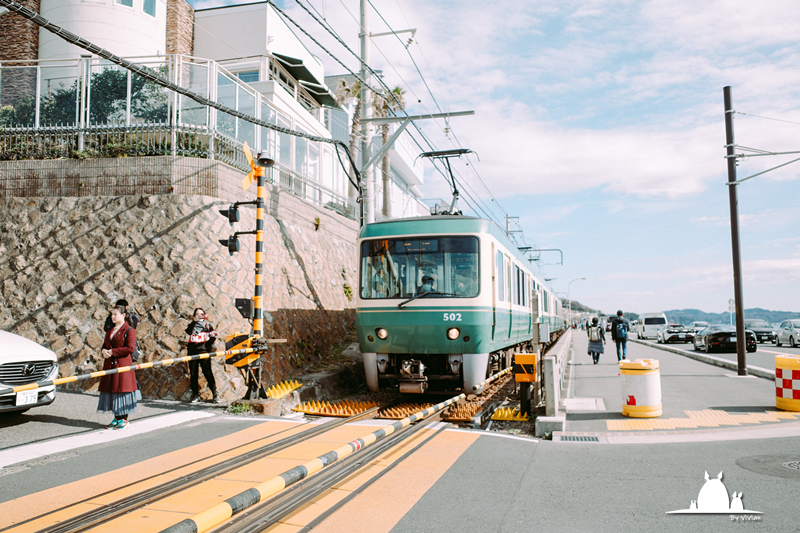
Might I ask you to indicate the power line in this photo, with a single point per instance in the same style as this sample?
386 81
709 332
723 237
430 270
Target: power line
333 33
425 82
149 75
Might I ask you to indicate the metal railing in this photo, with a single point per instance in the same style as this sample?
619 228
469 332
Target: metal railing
86 108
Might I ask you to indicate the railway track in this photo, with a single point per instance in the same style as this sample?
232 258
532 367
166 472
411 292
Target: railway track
258 516
88 520
294 497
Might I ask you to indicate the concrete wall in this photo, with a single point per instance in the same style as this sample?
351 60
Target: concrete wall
124 31
67 257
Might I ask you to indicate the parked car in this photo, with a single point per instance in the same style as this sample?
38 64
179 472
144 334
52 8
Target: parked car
674 333
763 330
22 361
697 325
789 333
722 337
649 324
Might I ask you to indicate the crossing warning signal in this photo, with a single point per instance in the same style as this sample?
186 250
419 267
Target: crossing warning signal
232 243
232 213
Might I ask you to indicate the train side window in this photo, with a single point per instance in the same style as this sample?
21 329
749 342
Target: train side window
500 277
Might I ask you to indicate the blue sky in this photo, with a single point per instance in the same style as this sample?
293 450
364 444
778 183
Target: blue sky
600 125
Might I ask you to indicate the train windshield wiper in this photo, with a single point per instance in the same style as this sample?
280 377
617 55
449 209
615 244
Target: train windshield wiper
435 293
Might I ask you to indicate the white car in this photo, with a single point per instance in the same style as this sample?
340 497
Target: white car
698 326
22 361
788 333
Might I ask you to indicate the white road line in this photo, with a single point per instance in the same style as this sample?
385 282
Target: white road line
779 353
30 452
492 434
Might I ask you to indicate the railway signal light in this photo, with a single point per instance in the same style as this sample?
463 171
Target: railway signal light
232 213
232 243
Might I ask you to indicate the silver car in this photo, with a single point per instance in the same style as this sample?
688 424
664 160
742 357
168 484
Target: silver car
788 332
22 361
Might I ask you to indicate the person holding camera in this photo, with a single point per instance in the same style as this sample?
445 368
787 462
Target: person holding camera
201 340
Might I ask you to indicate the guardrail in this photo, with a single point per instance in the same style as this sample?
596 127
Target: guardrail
553 367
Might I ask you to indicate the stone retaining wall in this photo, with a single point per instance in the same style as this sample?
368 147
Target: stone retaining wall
64 260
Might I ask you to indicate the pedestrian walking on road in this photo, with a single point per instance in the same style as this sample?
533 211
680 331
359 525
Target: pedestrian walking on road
597 339
619 334
119 392
201 340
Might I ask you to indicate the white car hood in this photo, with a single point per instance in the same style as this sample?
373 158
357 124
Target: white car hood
14 349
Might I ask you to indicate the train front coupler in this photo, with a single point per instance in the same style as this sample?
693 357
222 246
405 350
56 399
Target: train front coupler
412 377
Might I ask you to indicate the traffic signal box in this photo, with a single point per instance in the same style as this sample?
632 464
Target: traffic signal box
525 370
240 341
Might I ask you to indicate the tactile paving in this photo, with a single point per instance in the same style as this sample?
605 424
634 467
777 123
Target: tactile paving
705 418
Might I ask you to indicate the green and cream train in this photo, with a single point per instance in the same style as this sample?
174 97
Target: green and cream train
443 301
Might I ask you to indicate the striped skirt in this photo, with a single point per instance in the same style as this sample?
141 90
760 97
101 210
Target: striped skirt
120 403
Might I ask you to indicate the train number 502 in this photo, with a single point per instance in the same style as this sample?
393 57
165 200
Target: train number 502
452 317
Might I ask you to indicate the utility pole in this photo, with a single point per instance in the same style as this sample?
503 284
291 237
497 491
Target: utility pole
741 340
367 174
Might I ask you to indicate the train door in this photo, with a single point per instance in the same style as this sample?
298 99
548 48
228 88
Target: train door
510 286
495 286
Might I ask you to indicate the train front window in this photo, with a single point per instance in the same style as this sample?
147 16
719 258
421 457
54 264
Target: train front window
404 268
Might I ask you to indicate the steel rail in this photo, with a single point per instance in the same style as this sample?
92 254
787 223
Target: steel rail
298 495
129 503
214 516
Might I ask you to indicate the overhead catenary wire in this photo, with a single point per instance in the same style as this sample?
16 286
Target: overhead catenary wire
767 118
388 91
425 82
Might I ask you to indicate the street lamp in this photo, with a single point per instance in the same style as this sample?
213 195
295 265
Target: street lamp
569 297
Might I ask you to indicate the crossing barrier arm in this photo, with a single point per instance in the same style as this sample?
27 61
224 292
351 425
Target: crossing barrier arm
140 366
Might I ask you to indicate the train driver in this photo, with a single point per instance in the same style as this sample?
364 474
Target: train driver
428 283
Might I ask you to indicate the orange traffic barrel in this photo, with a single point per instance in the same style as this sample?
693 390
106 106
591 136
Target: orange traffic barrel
787 383
641 388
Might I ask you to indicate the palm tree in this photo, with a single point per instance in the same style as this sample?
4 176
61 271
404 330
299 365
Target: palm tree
393 102
343 92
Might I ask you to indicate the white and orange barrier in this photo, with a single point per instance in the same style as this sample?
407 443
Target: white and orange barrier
641 388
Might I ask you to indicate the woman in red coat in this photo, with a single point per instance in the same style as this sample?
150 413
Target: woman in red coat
119 392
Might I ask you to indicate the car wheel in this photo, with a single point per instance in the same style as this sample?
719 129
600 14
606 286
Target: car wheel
696 349
753 349
791 342
777 341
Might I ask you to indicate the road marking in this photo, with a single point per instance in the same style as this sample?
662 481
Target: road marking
780 353
704 418
30 452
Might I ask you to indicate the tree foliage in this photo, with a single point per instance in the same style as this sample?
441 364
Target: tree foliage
107 103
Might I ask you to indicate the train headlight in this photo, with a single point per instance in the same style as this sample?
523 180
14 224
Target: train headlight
453 333
381 333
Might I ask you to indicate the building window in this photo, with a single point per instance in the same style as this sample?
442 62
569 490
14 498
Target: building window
149 7
127 3
249 76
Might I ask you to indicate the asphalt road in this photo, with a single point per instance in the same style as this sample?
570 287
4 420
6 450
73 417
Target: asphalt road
763 357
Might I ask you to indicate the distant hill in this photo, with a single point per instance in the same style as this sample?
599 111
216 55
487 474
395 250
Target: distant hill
685 316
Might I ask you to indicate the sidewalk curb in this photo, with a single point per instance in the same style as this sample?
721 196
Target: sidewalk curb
708 359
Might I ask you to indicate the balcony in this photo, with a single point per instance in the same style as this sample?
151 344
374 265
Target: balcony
89 108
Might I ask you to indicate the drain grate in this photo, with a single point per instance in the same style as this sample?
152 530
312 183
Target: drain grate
571 438
794 465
